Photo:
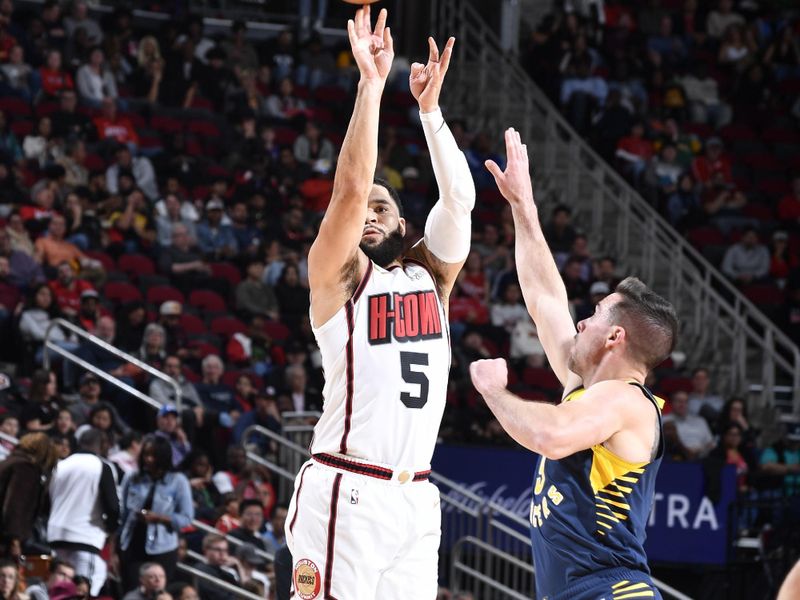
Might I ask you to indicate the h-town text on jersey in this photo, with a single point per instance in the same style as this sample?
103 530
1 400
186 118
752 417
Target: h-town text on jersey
406 317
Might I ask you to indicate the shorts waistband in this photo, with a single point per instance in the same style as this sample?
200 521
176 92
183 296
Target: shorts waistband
378 472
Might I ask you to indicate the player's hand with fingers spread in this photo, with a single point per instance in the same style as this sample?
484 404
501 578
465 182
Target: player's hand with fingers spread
425 81
373 49
489 376
515 182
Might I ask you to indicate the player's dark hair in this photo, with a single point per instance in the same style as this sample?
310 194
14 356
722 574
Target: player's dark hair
392 192
649 320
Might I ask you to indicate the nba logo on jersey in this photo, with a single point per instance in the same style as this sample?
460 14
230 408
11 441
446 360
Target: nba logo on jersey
306 579
353 496
404 317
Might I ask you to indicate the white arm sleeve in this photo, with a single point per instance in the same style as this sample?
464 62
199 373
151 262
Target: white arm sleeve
449 228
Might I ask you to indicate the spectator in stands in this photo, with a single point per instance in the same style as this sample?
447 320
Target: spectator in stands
54 77
168 427
68 290
73 160
127 457
156 505
141 168
206 498
253 296
9 581
789 207
729 451
44 402
635 151
40 310
170 319
89 397
19 75
60 572
302 397
666 48
84 508
180 590
229 519
311 146
692 431
80 18
183 263
24 272
747 260
9 145
217 564
10 297
106 330
152 583
719 20
559 231
95 80
215 238
664 171
737 50
251 517
703 401
21 476
723 203
783 54
9 425
510 309
264 413
275 534
251 570
40 145
241 53
153 348
285 105
54 249
781 461
103 416
68 121
164 393
582 93
216 81
174 215
683 205
292 296
702 92
217 398
149 72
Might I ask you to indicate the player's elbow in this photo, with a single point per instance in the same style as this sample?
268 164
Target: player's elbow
553 445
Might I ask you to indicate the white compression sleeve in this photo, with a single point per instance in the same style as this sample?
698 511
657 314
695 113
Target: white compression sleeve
449 227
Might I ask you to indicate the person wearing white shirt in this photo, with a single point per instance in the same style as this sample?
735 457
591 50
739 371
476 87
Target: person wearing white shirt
693 431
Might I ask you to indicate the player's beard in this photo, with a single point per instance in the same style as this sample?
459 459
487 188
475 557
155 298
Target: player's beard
388 251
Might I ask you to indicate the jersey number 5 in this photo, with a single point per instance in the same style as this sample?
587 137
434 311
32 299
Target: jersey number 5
408 360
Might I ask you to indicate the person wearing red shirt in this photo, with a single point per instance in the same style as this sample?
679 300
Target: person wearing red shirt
111 126
635 151
54 78
68 289
713 161
789 206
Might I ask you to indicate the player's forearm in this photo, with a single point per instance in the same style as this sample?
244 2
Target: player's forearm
537 271
359 153
529 423
453 178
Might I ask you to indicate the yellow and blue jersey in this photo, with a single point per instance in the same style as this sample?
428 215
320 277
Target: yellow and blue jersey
588 518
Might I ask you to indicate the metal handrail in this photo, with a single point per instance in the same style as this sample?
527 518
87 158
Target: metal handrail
9 438
116 352
228 587
274 436
482 577
231 540
634 218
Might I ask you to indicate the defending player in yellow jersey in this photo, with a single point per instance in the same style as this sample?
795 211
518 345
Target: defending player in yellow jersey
600 448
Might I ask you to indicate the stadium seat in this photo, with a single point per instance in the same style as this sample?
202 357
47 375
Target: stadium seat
121 292
670 385
158 294
103 258
704 236
15 108
764 294
330 95
203 128
192 324
46 108
277 330
540 378
227 326
164 124
136 265
22 128
207 300
226 271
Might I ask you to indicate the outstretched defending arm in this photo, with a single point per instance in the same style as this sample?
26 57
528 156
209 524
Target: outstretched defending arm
449 227
335 263
541 283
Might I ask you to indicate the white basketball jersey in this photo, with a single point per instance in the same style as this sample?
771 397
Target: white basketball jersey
386 359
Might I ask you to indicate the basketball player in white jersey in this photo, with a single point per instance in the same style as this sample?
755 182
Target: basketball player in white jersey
364 521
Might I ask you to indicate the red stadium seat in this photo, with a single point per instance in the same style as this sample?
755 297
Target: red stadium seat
764 294
227 326
330 94
277 330
541 378
670 385
737 131
203 349
190 375
192 324
757 211
164 124
103 258
15 108
201 103
121 292
158 294
208 301
46 108
95 162
705 236
203 128
22 128
226 271
135 265
779 135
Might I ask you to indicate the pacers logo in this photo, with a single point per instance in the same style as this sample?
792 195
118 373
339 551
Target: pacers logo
306 579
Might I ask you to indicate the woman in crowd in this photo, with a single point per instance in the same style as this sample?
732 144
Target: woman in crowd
156 505
44 402
23 477
205 495
9 582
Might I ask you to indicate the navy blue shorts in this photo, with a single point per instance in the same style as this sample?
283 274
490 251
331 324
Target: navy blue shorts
611 584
